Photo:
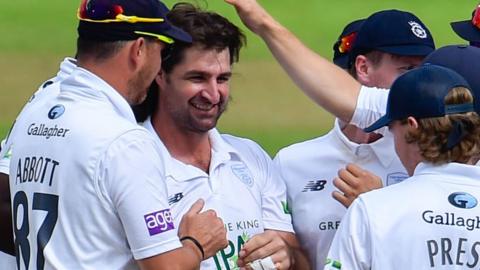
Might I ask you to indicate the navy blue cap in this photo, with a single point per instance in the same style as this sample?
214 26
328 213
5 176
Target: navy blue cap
463 59
421 93
341 58
97 21
395 32
466 29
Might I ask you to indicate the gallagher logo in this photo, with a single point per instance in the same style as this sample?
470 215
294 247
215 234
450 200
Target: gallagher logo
56 111
462 200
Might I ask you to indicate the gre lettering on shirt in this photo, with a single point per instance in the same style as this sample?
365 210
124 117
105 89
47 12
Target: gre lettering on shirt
308 169
159 222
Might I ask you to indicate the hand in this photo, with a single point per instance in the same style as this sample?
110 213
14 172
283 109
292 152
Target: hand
353 181
252 14
205 227
263 245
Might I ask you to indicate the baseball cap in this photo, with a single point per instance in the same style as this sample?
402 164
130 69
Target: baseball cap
113 20
463 59
469 30
395 32
421 93
344 44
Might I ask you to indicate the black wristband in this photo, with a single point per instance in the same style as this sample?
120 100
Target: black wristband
196 244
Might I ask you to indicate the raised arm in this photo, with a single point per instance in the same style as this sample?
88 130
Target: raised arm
328 85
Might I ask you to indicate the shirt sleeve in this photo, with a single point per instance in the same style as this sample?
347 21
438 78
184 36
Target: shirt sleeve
371 105
276 215
131 181
4 158
351 246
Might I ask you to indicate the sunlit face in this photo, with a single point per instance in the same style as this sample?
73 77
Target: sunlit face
408 153
390 68
195 93
146 74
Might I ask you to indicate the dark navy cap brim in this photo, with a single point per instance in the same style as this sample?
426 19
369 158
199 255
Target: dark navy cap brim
407 50
466 30
383 121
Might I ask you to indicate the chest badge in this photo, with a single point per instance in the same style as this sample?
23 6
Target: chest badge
243 174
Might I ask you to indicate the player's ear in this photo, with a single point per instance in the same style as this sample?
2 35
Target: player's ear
362 69
412 122
137 52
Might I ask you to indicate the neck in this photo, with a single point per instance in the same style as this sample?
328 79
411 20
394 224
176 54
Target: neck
357 135
191 148
111 71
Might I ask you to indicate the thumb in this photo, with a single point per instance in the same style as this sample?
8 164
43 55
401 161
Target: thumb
196 207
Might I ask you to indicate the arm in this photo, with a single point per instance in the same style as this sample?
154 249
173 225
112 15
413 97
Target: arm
281 247
6 240
205 227
328 85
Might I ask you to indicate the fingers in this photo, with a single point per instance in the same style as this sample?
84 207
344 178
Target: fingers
196 207
341 198
261 246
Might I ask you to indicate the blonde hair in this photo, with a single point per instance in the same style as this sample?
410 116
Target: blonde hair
432 133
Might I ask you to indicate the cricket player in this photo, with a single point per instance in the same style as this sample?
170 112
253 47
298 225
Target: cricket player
377 58
469 30
431 113
47 90
233 175
87 183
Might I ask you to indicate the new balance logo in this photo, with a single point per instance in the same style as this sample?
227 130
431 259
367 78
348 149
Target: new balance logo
175 198
315 185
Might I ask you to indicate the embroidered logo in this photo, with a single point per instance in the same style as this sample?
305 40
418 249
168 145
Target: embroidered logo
396 177
418 30
175 198
315 185
243 173
462 200
56 111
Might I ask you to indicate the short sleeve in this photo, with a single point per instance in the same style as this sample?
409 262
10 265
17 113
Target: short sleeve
4 158
371 105
275 212
351 246
131 182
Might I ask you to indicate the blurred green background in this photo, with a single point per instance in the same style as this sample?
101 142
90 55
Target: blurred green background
36 35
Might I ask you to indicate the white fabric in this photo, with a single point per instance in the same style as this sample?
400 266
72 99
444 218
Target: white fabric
371 105
309 169
242 187
47 90
421 223
7 262
104 169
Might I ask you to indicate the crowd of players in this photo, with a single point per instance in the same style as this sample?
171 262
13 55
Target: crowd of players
116 162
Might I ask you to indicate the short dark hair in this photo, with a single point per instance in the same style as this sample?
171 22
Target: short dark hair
99 50
209 30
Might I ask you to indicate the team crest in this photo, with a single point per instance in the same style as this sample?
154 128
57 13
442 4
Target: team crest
243 174
395 178
418 30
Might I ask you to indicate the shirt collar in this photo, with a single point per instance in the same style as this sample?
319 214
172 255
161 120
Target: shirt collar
66 68
384 148
222 152
83 82
454 169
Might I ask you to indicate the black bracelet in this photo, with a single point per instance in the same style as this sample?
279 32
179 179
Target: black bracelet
196 244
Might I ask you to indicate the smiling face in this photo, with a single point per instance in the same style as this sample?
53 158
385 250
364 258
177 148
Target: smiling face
195 93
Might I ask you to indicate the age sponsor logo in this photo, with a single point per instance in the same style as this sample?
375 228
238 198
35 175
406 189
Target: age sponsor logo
159 222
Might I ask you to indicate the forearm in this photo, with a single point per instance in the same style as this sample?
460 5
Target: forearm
328 85
184 258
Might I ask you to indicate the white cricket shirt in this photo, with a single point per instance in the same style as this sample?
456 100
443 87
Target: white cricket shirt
88 181
309 168
371 106
242 186
429 221
47 90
